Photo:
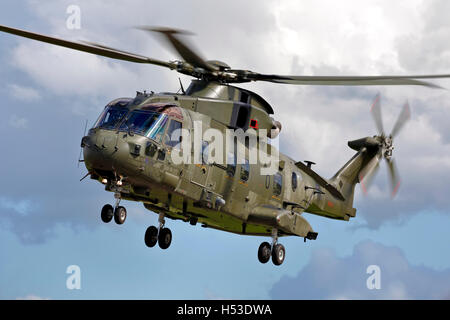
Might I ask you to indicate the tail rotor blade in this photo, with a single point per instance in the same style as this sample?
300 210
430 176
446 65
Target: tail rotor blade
376 114
368 173
394 177
402 119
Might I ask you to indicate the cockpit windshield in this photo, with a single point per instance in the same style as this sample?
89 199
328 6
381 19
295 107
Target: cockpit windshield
145 123
110 117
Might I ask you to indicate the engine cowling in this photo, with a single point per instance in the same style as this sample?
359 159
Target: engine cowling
276 129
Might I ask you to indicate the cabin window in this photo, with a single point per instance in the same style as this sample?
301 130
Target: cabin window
173 135
242 117
294 181
277 183
244 97
231 164
245 170
205 152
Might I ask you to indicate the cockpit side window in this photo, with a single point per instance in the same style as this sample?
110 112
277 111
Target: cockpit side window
173 135
110 117
146 123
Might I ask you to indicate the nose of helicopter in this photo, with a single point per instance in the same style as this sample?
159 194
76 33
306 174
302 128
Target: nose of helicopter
105 153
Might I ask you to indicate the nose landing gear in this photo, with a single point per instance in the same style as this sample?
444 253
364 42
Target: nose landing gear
161 235
119 213
276 250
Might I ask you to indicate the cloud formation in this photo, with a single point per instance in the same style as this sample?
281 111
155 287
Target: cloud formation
328 276
23 93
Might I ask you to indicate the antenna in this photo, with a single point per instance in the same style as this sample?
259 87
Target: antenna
81 149
181 85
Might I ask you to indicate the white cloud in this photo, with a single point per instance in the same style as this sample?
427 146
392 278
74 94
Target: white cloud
22 93
22 207
69 73
18 122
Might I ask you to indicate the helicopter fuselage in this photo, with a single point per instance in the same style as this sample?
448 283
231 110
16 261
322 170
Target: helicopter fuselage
234 197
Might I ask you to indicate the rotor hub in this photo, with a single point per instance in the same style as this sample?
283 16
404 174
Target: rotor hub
387 147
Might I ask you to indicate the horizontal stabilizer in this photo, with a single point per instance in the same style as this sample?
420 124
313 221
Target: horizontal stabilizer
321 181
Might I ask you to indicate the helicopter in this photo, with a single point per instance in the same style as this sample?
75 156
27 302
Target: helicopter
135 146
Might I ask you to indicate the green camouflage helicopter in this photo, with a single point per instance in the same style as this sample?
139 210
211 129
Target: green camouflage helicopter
135 147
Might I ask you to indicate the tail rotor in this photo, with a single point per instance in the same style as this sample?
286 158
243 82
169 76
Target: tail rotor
385 148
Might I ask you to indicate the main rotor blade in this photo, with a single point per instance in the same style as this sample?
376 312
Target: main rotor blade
183 49
403 117
376 114
87 47
368 172
394 177
348 80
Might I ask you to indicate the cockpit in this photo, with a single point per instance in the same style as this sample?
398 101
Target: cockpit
146 123
149 120
112 114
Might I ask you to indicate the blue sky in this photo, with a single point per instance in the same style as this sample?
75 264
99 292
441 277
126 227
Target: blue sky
49 220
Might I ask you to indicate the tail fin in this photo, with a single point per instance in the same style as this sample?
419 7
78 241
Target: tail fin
356 169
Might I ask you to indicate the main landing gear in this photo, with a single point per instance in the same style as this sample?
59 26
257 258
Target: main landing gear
117 212
161 235
276 250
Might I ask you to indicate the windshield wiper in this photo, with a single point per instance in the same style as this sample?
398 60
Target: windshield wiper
129 129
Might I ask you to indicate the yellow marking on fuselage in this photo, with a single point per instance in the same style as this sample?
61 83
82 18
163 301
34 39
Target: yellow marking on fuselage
243 183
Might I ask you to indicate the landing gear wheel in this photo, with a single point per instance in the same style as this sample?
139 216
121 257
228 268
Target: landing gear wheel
107 213
164 238
264 252
278 254
151 236
193 221
120 215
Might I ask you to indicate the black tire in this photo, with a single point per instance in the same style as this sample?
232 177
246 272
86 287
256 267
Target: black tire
107 213
164 238
264 252
120 215
151 236
193 221
278 254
